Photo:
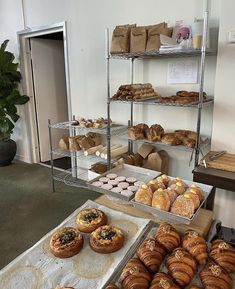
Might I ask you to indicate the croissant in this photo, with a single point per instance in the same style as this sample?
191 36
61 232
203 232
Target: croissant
195 287
151 254
182 266
168 237
163 281
196 246
223 254
135 275
144 195
111 286
213 276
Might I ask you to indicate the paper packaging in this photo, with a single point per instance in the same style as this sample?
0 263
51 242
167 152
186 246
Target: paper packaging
145 150
153 42
138 39
154 162
121 39
38 268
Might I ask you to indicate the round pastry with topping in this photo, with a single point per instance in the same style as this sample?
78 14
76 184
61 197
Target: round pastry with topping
66 242
111 176
104 180
131 180
120 179
89 220
107 239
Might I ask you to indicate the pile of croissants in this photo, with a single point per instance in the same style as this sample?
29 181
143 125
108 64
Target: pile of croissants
182 258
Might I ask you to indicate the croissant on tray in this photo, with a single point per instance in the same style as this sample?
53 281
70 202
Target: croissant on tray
135 275
163 281
111 286
168 237
196 246
214 276
223 254
151 254
182 266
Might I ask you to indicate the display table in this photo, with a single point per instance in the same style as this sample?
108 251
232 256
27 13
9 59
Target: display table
201 224
217 178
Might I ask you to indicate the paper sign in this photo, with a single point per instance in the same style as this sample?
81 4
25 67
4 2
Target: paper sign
183 71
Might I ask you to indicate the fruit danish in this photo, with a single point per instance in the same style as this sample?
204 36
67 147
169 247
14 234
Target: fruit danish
163 281
196 246
89 220
151 254
223 254
135 275
168 237
66 242
214 276
182 266
107 239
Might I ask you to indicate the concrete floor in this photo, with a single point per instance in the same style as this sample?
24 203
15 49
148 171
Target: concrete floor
28 208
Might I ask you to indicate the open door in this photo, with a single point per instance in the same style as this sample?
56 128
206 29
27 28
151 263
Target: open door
48 70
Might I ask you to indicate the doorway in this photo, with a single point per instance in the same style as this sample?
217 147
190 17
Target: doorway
44 66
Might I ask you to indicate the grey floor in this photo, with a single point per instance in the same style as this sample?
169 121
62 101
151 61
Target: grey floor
28 208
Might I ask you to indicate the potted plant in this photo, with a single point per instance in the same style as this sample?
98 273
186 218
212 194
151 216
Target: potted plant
10 97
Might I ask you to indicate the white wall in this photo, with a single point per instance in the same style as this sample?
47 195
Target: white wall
224 108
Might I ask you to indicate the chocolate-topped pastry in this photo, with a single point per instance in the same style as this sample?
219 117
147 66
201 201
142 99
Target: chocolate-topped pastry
90 219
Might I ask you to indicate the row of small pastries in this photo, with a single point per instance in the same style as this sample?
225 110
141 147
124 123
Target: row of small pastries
171 195
182 260
68 241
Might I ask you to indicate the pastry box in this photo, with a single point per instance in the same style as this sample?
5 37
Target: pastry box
140 175
171 217
39 268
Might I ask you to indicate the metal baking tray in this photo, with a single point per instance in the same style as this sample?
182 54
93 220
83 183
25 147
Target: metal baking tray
150 234
168 216
125 170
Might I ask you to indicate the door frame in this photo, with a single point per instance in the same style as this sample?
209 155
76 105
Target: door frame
27 80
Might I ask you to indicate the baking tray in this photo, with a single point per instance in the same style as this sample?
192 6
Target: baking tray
150 234
135 100
125 170
39 268
168 216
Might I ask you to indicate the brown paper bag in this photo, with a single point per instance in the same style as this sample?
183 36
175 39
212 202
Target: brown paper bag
165 161
138 39
121 39
153 42
154 162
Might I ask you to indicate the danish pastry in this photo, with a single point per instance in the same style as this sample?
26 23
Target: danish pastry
214 276
66 242
161 200
144 195
151 254
163 281
196 246
182 266
90 219
135 275
168 237
107 239
183 206
223 254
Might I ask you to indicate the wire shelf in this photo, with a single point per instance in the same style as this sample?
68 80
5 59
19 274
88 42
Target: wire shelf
166 54
115 129
207 101
206 142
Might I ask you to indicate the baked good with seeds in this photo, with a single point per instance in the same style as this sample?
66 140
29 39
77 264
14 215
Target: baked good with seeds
196 246
107 239
182 266
66 242
168 237
151 254
223 254
89 220
163 281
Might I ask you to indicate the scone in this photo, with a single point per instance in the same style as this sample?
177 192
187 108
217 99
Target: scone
90 219
183 207
66 242
144 195
161 200
106 239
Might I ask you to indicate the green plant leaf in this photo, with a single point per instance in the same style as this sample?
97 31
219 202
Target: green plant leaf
4 45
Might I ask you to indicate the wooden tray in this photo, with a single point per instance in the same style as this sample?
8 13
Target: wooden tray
226 162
